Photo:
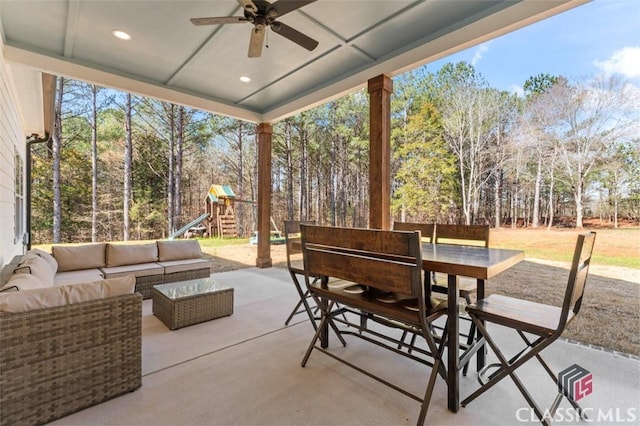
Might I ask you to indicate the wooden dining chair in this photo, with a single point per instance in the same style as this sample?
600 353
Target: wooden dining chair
426 229
545 322
296 269
468 235
426 235
295 265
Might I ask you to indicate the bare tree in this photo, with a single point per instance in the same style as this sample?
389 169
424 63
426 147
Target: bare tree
583 120
55 148
94 162
468 120
177 188
128 174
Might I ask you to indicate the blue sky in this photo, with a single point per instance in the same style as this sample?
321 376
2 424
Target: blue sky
597 37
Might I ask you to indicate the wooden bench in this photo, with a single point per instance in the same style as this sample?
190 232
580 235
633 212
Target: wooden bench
385 263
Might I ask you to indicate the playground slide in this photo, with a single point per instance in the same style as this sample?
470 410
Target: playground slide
189 225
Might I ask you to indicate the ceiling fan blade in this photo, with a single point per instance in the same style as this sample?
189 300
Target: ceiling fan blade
219 20
285 6
248 5
256 42
294 35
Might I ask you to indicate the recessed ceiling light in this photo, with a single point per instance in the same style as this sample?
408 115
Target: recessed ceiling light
121 35
245 79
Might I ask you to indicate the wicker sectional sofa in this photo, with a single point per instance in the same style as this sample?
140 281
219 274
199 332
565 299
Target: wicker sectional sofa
67 347
151 263
71 323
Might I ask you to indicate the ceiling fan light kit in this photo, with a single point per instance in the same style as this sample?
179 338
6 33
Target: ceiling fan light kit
263 15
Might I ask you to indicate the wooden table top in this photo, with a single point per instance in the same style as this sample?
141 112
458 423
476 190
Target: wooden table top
475 262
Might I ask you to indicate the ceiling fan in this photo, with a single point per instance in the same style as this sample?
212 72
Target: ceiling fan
263 14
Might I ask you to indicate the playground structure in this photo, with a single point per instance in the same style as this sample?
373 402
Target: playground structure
219 218
219 205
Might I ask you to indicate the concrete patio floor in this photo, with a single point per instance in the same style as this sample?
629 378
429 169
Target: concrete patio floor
245 370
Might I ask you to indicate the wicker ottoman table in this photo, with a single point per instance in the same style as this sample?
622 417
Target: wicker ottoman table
189 302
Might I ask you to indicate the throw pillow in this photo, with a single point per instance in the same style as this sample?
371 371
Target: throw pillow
46 256
32 299
35 265
24 282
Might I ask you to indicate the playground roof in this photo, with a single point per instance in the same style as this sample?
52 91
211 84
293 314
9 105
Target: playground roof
220 191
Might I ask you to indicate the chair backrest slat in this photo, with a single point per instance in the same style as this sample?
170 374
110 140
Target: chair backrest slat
293 243
462 234
384 260
578 275
426 229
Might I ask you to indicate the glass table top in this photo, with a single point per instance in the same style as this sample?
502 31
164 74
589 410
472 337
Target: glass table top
189 288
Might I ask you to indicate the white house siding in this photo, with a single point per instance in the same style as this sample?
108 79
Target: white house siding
11 140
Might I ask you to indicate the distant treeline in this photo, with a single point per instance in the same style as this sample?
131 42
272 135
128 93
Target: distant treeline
124 167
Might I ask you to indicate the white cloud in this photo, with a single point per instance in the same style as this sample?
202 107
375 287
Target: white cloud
477 56
625 61
518 90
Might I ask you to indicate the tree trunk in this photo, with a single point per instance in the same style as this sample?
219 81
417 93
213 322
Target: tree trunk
170 159
514 208
289 168
240 208
551 206
332 180
56 148
497 199
536 197
128 175
94 163
579 206
177 189
303 208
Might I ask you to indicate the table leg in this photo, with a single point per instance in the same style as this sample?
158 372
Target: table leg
480 355
453 379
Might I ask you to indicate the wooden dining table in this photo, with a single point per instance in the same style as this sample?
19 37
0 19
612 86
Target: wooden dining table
463 261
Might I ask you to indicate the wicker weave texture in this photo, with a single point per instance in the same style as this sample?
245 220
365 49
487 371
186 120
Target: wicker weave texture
56 361
192 310
144 284
187 275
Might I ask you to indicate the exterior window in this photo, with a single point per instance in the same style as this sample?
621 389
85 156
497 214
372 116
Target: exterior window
19 191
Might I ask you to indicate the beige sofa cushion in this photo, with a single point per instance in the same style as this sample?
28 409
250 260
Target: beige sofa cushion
174 266
131 254
23 282
78 277
46 256
85 256
178 250
35 265
28 300
142 270
100 289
